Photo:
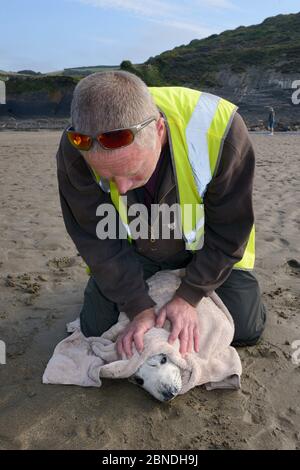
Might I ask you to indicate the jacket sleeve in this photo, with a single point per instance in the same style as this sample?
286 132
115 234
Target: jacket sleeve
112 262
228 217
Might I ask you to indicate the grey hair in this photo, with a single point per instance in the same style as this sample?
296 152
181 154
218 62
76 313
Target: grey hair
105 101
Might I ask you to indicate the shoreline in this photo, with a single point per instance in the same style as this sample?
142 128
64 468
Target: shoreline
38 123
57 129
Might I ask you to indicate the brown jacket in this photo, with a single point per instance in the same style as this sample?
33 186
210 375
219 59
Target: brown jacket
114 264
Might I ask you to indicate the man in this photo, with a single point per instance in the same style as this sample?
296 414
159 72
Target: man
160 146
271 121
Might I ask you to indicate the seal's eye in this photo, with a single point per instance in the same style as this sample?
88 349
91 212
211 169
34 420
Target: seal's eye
139 381
164 360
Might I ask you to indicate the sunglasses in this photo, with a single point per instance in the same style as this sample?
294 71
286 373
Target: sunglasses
109 140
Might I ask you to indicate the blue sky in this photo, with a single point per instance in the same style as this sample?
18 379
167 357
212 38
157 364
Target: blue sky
51 35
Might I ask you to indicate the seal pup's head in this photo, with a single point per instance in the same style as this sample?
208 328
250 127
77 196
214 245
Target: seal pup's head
159 376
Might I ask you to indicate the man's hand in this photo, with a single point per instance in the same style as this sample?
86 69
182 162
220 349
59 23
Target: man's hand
184 321
135 331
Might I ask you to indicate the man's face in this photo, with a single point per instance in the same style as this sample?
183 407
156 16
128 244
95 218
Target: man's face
128 167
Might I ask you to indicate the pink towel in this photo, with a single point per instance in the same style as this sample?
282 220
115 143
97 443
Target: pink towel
84 361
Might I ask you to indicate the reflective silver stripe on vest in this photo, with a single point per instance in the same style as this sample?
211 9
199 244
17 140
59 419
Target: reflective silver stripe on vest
196 136
127 229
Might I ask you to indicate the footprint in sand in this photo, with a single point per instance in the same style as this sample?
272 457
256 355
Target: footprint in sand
269 239
284 241
293 263
294 266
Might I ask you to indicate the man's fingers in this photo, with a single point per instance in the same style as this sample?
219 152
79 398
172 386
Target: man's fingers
161 318
174 333
139 341
189 348
184 338
127 344
196 339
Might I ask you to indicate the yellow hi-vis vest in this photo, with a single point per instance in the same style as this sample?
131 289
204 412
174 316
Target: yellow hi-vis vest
197 125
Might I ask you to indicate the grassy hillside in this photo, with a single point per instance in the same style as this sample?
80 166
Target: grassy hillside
273 44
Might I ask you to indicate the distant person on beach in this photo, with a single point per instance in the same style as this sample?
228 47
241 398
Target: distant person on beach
271 121
159 147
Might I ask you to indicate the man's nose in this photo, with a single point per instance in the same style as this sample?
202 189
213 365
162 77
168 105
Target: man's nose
123 184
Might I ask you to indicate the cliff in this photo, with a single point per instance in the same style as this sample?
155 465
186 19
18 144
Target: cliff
254 67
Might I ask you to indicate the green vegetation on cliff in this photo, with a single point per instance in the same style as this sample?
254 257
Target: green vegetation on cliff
18 85
273 44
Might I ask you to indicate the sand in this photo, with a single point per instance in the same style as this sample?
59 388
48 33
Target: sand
41 288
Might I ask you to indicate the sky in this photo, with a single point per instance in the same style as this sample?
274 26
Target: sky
50 35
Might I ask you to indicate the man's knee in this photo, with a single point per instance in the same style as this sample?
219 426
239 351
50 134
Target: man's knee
98 313
249 335
241 295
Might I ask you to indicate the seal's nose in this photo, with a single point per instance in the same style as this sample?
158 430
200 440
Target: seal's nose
168 395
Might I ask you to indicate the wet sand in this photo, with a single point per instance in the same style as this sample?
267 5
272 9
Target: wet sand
41 288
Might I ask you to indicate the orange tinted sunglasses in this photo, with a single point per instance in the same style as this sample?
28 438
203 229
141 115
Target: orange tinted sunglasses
109 140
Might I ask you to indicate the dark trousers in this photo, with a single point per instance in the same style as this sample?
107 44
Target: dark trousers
240 293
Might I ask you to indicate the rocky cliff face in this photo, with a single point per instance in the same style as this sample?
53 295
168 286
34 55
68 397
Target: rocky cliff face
255 92
28 97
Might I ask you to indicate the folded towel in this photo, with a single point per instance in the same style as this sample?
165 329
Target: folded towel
84 361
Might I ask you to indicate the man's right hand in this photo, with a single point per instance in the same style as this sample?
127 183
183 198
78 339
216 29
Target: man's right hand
134 332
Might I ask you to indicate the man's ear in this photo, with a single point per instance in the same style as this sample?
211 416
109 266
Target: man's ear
161 129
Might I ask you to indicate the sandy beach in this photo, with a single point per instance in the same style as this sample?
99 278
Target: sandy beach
42 279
